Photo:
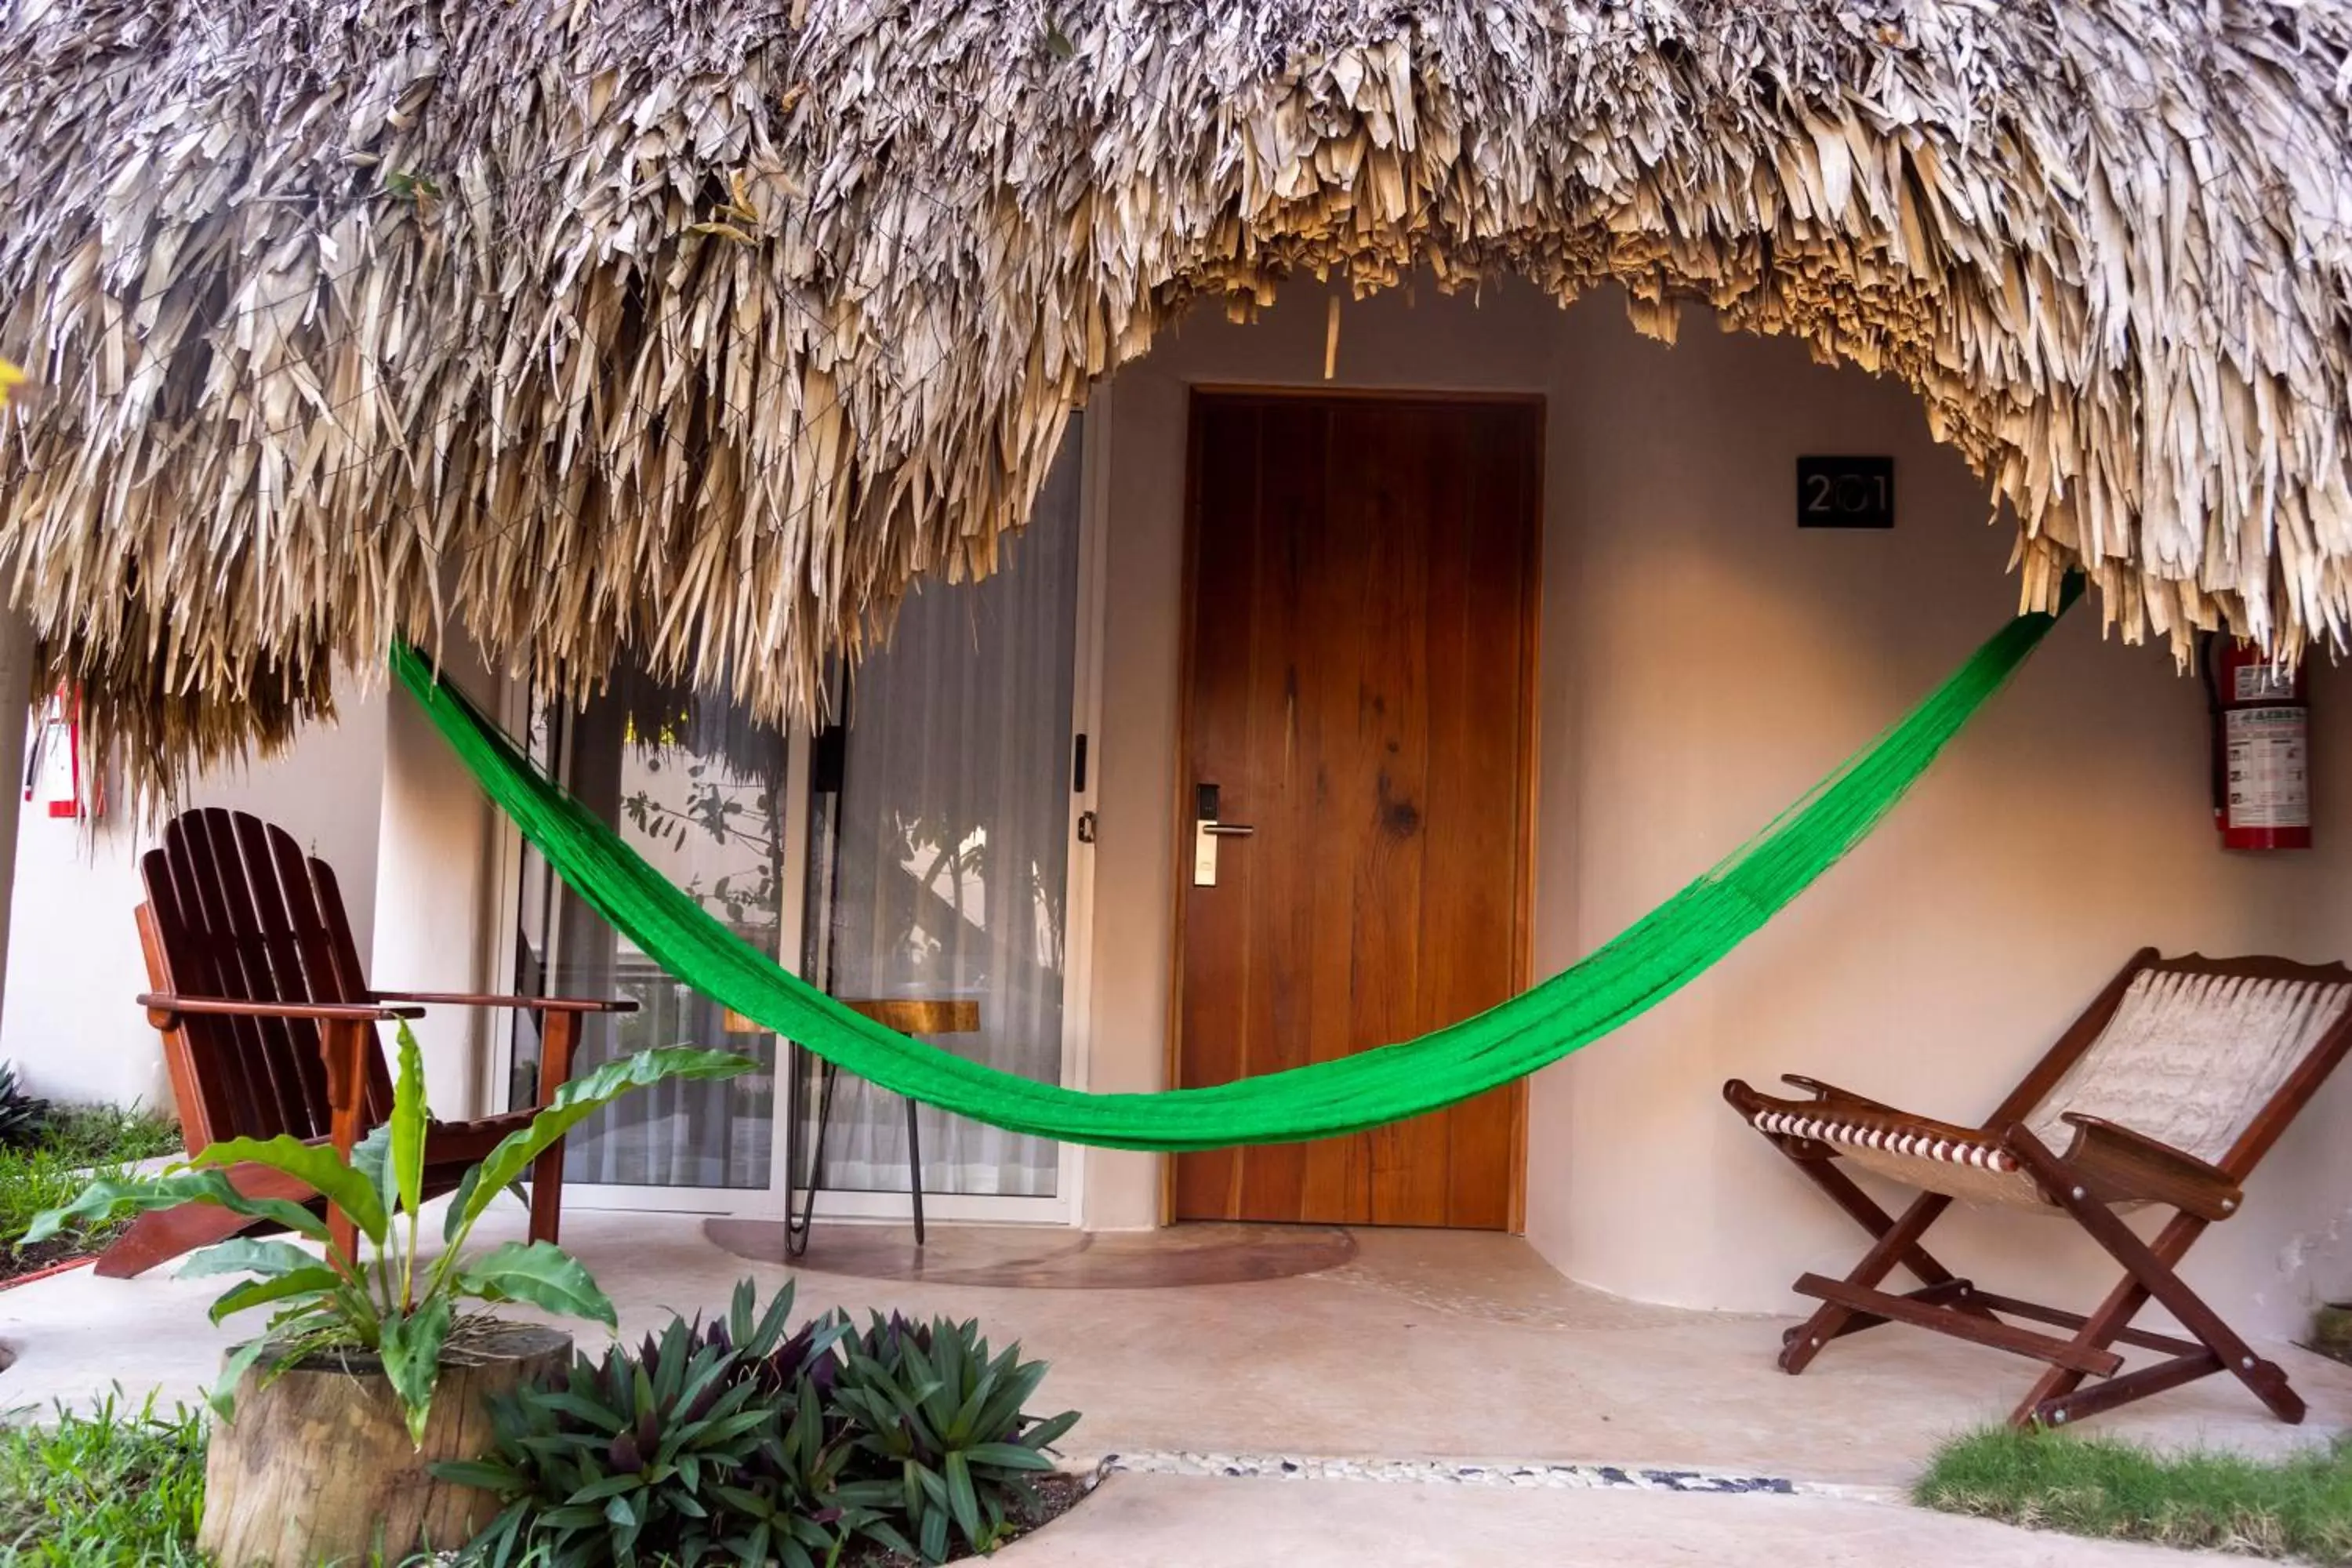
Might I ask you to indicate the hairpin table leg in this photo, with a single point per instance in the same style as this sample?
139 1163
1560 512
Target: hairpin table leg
796 1232
915 1168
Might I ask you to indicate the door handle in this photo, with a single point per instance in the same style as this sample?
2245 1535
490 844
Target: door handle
1206 830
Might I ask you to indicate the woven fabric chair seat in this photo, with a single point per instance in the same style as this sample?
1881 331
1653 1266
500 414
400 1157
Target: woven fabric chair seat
1967 1165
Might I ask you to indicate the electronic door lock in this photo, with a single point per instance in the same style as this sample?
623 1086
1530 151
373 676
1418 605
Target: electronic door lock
1206 831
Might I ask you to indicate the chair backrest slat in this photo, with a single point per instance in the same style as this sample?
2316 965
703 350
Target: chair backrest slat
283 910
242 934
235 909
215 1099
197 873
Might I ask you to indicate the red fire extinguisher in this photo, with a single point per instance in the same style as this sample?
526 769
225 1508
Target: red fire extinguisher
2262 751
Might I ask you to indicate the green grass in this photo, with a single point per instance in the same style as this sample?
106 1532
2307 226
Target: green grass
2300 1506
119 1485
110 1134
78 1140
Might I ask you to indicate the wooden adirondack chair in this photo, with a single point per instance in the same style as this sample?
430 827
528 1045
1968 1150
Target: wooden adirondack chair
269 1027
2168 1091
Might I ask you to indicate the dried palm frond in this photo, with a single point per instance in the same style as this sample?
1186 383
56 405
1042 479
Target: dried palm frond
699 327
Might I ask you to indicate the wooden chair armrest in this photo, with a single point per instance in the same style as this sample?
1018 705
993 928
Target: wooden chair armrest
2118 1163
529 1004
1829 1092
162 1005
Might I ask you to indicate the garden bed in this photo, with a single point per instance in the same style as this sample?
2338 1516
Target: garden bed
1055 1494
125 1484
54 1161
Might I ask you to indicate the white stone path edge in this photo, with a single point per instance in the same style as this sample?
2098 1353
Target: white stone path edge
1424 1472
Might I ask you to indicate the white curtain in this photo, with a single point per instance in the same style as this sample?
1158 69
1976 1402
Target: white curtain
696 787
940 865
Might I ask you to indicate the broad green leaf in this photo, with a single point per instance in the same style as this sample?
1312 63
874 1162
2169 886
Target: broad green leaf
486 1475
722 1429
580 1098
371 1158
540 1274
317 1280
1008 1456
224 1395
316 1165
411 1349
407 1123
1045 1433
592 1412
108 1195
933 1534
962 1501
612 1485
243 1255
454 1220
883 1531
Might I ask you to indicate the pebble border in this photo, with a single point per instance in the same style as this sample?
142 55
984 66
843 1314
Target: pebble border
1558 1477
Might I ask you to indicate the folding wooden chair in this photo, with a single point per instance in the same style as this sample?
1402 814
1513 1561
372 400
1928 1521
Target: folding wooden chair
2168 1091
269 1027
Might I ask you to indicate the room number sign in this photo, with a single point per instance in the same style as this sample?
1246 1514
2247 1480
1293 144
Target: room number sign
1845 492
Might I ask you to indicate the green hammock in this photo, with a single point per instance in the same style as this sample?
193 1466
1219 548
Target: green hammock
1642 965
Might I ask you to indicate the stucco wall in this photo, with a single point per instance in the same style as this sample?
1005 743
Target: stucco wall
73 955
437 894
2067 828
1704 661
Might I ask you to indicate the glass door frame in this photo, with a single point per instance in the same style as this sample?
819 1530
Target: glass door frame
786 1156
768 1202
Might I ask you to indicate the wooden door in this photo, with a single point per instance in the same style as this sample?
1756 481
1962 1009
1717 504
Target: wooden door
1359 669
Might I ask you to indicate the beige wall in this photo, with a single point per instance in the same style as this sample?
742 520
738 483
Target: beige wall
70 1024
1704 662
2068 827
437 891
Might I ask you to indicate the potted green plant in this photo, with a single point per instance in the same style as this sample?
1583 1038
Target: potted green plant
330 1421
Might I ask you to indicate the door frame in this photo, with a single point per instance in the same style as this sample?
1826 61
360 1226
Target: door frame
1530 744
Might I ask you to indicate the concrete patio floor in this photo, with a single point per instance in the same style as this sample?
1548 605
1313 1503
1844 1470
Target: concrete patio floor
1189 1521
1420 1346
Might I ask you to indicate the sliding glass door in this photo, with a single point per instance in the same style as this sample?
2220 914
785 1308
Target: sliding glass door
940 857
704 793
918 848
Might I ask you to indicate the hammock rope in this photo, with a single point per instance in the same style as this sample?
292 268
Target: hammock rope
1634 970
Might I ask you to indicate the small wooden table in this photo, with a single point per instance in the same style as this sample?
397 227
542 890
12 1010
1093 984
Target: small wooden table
908 1016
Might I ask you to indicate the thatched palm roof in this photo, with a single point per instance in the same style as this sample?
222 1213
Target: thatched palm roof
702 325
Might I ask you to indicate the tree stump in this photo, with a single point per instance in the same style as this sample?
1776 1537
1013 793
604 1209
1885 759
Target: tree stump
2331 1330
317 1468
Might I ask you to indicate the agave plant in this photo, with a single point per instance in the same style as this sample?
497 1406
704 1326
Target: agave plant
23 1117
390 1301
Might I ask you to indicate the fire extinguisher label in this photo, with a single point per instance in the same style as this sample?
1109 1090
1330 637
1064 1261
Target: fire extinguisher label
2263 683
2269 777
